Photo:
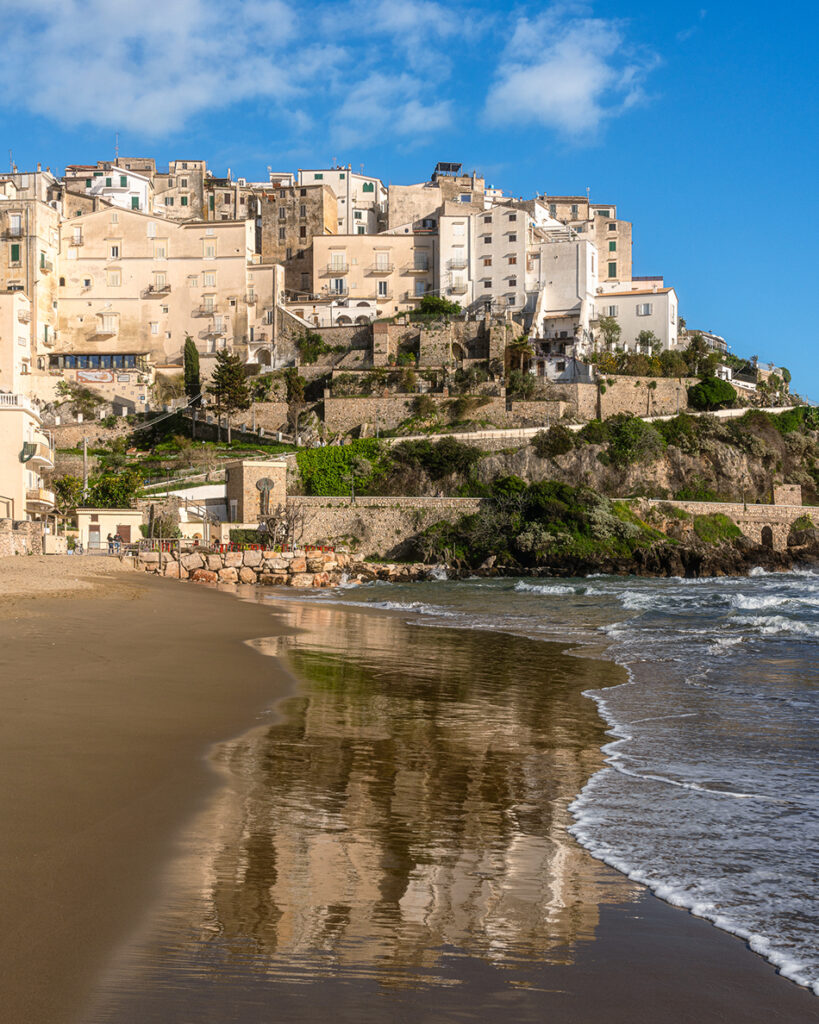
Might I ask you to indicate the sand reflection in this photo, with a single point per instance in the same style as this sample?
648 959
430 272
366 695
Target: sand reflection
407 809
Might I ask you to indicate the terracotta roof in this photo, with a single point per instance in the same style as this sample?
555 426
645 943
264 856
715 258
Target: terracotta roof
637 291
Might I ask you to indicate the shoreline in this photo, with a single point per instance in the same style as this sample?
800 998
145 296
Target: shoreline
749 980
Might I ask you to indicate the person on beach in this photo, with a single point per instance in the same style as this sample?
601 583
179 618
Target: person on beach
110 544
117 543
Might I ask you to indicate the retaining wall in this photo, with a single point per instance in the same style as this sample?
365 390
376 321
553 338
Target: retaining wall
20 538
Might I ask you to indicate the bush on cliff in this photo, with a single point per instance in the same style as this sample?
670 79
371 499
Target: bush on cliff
438 459
716 528
330 470
558 440
711 393
632 440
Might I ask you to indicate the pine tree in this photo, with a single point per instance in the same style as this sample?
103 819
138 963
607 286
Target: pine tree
228 386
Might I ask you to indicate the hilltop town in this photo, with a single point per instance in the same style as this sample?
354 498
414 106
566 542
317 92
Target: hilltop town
140 306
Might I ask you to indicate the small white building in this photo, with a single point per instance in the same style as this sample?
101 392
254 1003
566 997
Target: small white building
362 199
124 188
640 309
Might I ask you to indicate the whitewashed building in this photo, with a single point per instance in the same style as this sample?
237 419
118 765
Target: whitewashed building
639 309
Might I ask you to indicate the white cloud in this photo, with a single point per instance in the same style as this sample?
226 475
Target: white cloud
145 67
388 104
566 71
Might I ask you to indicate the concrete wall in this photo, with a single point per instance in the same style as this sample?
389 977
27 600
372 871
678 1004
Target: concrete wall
375 525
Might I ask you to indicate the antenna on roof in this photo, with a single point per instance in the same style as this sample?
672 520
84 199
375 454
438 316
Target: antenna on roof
588 194
11 162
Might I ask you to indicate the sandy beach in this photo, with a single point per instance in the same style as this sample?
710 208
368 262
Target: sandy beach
115 688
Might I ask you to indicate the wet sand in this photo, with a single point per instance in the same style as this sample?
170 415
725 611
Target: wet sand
302 880
111 695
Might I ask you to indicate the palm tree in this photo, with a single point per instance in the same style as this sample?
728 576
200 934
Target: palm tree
521 348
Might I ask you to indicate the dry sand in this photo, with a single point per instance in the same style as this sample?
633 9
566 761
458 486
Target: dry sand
111 695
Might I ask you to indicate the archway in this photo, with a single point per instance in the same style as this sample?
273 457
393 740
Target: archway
362 319
343 321
767 537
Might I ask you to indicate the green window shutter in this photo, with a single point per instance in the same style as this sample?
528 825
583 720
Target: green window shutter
368 187
42 261
210 202
89 182
612 247
108 182
97 174
123 180
612 270
319 177
341 177
184 200
15 252
134 202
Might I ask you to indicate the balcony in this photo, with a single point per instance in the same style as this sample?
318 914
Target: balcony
203 310
24 316
77 240
457 289
416 270
412 297
382 268
335 268
47 266
259 338
39 499
338 293
16 402
384 296
13 232
37 453
457 264
214 330
154 291
250 300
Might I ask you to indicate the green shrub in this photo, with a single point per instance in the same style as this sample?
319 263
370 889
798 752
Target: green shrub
424 407
632 440
244 536
438 459
329 471
311 345
716 528
435 304
696 490
558 440
681 431
711 393
594 432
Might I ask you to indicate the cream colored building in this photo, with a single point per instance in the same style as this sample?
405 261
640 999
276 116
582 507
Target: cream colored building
26 459
640 309
134 286
362 199
115 183
95 524
395 271
15 341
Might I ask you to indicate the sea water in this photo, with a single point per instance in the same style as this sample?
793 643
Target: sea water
710 793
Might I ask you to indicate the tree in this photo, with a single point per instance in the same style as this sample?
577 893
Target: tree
610 330
67 493
229 387
711 393
83 400
193 382
521 385
432 304
672 364
115 490
521 349
647 341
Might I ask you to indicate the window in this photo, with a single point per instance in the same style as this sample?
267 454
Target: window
184 165
210 202
645 308
420 261
368 186
86 282
487 220
226 198
113 251
164 309
611 310
115 218
15 253
305 283
218 323
553 210
487 285
303 210
160 249
487 239
108 182
207 302
123 181
487 261
300 254
613 226
318 177
210 250
302 192
282 234
169 200
382 289
16 223
108 323
612 246
134 202
114 278
358 215
288 253
360 229
209 279
464 197
154 327
513 237
282 213
575 210
612 270
420 288
151 230
302 232
183 201
603 213
382 260
159 282
513 282
511 260
62 285
458 229
337 285
97 174
89 182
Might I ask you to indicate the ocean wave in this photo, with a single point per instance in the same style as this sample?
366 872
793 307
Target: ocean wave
770 625
545 589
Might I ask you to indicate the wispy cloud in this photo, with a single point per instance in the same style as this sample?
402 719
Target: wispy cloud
685 34
390 103
566 70
146 67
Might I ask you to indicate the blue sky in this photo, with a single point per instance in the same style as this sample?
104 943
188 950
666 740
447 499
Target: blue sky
699 122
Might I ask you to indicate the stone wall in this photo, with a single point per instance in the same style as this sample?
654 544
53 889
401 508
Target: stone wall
630 395
20 538
536 414
376 525
345 414
753 520
271 416
71 435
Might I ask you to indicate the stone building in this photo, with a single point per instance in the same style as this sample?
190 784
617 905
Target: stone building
254 489
291 218
133 286
362 199
395 271
599 222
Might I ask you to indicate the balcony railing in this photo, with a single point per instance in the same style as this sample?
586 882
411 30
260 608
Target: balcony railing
24 316
47 266
204 310
337 293
259 338
16 402
40 497
384 296
416 270
77 240
336 268
155 291
412 297
382 268
458 289
250 300
13 232
458 263
38 454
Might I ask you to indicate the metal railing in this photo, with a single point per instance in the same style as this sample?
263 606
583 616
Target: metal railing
416 270
156 290
24 316
336 268
457 264
203 310
382 268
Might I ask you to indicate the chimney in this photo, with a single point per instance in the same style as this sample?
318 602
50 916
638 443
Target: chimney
39 166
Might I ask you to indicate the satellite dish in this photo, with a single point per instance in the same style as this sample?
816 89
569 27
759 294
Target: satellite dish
265 484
